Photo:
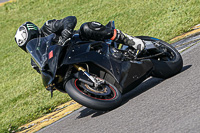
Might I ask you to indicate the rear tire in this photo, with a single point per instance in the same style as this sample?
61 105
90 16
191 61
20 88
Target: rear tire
165 69
90 100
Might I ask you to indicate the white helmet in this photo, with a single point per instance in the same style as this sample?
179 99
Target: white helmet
25 33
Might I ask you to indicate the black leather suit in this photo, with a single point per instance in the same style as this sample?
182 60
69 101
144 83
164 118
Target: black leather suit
62 28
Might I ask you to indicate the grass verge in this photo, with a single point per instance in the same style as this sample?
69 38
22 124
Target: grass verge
23 98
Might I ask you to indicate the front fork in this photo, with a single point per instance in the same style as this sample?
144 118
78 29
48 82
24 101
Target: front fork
79 68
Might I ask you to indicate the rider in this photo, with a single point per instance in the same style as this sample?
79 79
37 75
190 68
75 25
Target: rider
64 29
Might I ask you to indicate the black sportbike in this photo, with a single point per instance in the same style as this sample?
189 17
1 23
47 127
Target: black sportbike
97 73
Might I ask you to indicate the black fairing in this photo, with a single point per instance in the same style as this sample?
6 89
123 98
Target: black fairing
131 74
125 75
46 56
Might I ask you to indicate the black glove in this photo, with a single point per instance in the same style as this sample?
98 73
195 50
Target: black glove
62 41
65 37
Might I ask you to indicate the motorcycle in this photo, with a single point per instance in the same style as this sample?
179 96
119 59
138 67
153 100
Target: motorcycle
97 73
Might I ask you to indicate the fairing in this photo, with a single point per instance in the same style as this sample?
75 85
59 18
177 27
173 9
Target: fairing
46 56
127 74
124 74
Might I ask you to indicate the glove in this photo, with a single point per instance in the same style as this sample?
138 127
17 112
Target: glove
65 37
62 41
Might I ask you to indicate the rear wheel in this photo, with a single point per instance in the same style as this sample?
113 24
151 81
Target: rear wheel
168 64
103 97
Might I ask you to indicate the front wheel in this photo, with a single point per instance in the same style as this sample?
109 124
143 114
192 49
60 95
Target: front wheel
104 97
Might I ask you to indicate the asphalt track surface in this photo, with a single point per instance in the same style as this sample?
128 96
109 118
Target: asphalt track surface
156 106
2 1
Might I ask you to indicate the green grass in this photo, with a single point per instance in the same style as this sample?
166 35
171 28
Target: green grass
22 96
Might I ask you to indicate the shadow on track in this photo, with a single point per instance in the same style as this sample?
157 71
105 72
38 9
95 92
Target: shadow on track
145 86
87 112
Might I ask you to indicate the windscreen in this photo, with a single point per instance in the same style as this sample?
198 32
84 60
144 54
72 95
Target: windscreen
38 49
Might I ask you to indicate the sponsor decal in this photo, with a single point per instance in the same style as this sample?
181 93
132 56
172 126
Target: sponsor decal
32 27
51 54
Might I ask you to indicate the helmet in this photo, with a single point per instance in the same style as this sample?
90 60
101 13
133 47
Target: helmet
25 33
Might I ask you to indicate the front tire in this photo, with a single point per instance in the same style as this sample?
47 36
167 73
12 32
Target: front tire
101 101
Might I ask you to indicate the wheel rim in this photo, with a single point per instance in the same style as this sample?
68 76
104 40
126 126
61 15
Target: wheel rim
169 53
106 93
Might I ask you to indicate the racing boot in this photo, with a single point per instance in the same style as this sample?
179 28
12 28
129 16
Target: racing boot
125 39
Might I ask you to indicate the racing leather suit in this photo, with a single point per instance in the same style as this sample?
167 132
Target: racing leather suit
64 29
